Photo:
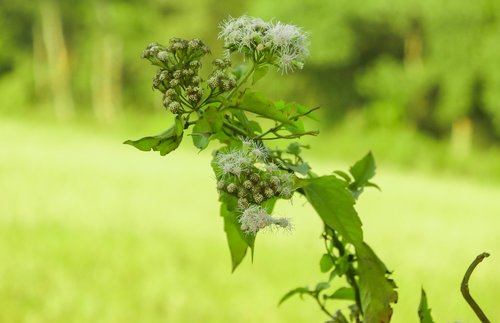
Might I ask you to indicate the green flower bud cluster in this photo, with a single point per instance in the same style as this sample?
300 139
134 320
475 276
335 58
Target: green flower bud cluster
246 174
221 80
178 77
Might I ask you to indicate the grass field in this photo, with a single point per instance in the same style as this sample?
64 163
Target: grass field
94 231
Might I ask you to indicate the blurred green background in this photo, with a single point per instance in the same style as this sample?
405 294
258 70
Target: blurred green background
95 231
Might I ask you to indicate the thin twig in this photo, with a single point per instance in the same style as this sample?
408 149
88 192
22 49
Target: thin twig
281 125
322 306
464 287
295 135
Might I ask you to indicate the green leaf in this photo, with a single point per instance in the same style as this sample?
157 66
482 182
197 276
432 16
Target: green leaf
207 125
377 290
250 126
258 103
299 290
237 240
335 205
346 293
325 263
201 133
303 168
259 73
363 170
165 142
342 265
321 286
294 148
343 175
424 312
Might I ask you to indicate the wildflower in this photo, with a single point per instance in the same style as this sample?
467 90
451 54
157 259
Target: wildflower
243 33
290 45
258 150
287 44
288 37
162 56
255 218
233 162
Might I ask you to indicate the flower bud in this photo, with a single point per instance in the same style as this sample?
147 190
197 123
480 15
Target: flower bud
243 203
242 192
258 198
268 192
247 184
231 188
254 177
175 107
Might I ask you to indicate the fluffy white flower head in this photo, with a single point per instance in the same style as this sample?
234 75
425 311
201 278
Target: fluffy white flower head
255 218
239 33
290 44
233 162
283 45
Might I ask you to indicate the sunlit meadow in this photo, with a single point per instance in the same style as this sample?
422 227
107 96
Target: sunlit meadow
91 231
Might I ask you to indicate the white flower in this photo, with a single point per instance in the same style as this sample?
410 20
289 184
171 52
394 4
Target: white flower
284 36
255 218
240 33
271 167
233 162
288 44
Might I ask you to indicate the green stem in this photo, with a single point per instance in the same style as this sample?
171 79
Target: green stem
465 288
241 81
235 129
322 306
350 273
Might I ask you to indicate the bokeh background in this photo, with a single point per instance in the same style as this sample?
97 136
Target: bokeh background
94 231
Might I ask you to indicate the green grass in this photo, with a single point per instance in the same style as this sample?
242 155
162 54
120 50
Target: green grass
94 231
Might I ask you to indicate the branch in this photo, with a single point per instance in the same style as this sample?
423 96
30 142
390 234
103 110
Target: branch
464 288
322 306
281 125
295 135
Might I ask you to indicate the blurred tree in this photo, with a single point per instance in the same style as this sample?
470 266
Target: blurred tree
430 65
423 63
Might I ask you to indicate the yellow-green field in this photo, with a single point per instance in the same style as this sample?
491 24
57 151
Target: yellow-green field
95 231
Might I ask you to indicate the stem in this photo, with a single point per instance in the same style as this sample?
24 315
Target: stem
350 273
242 81
295 135
234 128
322 306
464 287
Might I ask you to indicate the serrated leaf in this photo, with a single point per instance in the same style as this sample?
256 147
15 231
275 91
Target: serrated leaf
259 73
259 104
363 170
346 293
164 143
424 312
299 290
377 290
335 205
237 240
325 263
